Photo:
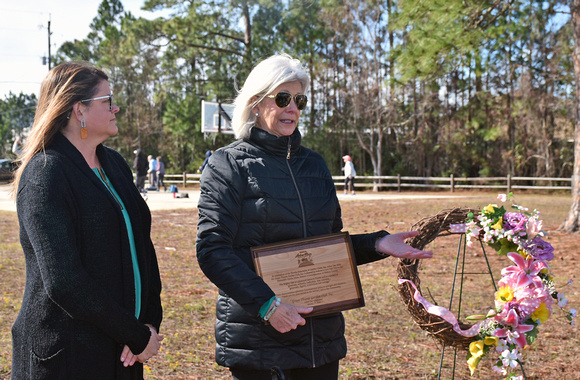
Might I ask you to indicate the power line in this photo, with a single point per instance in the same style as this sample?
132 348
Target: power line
17 110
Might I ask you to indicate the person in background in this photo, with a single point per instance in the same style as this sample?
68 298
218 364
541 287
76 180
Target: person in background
91 307
140 165
268 188
203 165
152 173
161 173
349 174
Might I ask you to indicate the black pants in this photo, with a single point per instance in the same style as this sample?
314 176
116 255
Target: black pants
161 181
349 184
326 372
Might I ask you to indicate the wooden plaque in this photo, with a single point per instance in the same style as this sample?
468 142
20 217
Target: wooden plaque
318 271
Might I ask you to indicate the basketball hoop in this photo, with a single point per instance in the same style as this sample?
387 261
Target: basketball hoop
216 117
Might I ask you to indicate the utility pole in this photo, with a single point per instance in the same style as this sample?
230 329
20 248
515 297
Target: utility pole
49 58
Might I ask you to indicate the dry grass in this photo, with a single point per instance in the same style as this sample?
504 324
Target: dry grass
384 342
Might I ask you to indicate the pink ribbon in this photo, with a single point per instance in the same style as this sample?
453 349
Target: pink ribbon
443 313
460 228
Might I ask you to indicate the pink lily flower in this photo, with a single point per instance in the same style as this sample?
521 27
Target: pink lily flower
525 271
534 228
515 331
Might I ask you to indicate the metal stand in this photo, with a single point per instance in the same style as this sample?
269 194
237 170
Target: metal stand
461 248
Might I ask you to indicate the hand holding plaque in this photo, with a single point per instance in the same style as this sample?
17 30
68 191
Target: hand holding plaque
318 272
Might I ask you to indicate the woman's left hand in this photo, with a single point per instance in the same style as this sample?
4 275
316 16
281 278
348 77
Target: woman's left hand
127 357
394 245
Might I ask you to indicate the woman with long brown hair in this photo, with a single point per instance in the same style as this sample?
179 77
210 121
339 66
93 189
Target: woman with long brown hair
91 307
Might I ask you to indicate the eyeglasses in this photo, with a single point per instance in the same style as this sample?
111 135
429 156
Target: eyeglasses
102 97
283 100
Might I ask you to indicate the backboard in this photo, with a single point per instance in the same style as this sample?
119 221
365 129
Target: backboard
216 117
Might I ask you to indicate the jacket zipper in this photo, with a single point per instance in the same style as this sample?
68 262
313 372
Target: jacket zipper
304 233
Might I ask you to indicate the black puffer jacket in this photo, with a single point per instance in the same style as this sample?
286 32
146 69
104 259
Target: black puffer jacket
257 191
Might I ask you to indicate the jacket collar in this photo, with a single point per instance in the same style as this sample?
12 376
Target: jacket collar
61 144
64 146
124 188
274 145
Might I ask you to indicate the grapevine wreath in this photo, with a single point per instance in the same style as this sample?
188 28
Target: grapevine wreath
525 295
429 229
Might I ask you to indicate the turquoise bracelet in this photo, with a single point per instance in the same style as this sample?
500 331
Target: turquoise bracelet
272 310
265 307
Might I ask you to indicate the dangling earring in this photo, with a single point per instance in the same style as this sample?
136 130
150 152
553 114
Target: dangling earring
84 131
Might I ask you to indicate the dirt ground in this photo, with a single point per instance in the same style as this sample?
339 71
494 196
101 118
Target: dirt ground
384 341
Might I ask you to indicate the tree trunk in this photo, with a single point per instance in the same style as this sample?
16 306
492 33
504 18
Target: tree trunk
572 223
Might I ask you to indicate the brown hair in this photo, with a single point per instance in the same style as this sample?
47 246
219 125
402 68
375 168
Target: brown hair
64 86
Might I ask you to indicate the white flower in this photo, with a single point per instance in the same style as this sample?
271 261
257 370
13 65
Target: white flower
510 358
502 197
511 337
562 301
501 346
501 370
521 208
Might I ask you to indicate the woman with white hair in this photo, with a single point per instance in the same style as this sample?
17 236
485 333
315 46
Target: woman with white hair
266 188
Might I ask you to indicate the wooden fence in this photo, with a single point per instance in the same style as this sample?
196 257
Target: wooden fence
401 183
507 183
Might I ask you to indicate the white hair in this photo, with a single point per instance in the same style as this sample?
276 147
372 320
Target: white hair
264 78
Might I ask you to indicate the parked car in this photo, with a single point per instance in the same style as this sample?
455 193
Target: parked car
7 167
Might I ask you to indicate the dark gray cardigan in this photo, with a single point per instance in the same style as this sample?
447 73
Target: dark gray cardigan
78 307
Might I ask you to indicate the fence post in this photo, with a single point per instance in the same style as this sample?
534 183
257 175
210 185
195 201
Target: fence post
509 183
452 183
399 183
184 179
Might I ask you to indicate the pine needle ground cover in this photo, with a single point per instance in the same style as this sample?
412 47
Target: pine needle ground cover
384 341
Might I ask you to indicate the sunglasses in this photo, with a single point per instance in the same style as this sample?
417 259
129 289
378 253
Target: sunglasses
283 100
102 97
